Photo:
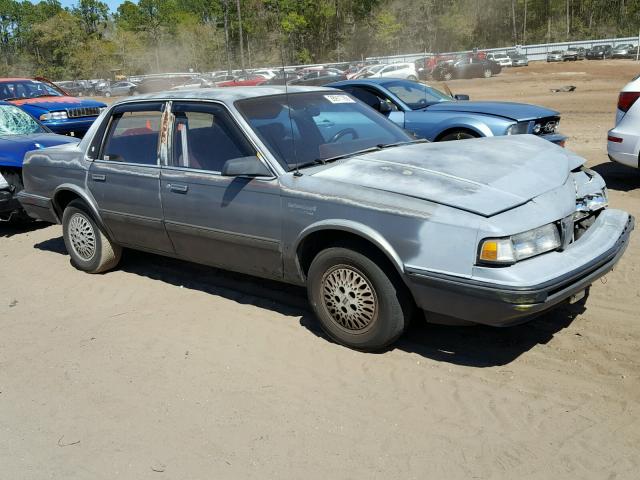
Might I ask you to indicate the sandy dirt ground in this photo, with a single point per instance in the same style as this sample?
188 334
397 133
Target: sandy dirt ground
164 369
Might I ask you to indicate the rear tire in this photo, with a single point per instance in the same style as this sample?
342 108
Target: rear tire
357 303
89 248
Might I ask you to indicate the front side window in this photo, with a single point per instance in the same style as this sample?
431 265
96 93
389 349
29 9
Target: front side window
205 137
416 95
133 136
303 128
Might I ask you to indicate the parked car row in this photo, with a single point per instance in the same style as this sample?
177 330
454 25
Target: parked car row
597 52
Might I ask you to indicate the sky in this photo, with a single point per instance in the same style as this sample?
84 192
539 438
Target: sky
113 4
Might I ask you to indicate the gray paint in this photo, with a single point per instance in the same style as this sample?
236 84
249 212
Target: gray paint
425 206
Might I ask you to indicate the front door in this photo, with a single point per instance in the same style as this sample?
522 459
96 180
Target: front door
228 222
124 179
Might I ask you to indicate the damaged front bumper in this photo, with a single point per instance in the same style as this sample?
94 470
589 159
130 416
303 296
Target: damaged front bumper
515 296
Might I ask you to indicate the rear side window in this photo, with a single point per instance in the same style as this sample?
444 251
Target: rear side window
133 137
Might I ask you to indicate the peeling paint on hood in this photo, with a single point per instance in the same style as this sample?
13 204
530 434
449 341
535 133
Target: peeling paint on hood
485 176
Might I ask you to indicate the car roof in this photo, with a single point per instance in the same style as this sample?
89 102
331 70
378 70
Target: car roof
225 94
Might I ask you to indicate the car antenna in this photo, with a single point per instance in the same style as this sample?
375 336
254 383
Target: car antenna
296 173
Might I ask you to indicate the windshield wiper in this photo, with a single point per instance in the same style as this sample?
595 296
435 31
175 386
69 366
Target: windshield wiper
324 161
45 95
10 98
398 144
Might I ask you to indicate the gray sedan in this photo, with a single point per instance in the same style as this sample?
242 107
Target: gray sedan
312 187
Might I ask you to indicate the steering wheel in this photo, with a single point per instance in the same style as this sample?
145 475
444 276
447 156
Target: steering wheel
342 133
422 101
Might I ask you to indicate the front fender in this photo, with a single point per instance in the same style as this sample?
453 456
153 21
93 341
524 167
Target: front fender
356 228
476 125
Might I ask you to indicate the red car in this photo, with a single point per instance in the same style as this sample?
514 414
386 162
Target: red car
244 81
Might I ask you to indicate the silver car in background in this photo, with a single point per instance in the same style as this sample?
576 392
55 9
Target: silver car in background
555 56
311 187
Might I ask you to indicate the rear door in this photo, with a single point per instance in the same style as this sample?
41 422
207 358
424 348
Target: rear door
228 222
124 178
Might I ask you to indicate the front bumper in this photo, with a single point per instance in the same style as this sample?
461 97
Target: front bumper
501 304
75 125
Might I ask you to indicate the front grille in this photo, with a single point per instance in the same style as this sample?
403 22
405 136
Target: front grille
546 126
83 112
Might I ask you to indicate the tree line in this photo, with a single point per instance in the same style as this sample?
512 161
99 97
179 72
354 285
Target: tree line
89 41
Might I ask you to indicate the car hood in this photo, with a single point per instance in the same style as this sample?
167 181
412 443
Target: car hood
484 176
514 111
57 103
14 147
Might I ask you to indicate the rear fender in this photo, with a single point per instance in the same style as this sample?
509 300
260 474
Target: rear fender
86 197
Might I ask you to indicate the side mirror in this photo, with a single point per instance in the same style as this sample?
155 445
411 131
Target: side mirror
461 96
384 108
245 167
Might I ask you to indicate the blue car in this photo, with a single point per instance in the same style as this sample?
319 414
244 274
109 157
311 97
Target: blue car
51 105
436 116
19 133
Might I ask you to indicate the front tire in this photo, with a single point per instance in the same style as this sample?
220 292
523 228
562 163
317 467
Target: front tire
357 303
487 73
412 78
446 76
457 135
89 248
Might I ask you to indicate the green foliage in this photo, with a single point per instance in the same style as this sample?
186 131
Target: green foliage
88 41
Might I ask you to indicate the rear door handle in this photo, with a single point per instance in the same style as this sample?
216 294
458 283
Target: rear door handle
177 188
98 177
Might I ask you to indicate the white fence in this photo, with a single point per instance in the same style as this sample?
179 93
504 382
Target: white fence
533 52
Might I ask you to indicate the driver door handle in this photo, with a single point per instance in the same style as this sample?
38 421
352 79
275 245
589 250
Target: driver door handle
98 177
178 188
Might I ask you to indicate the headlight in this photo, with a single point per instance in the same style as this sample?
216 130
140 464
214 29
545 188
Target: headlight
509 250
53 116
591 203
518 128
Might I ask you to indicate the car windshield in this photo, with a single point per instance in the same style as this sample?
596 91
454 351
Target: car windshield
416 95
14 121
18 89
312 127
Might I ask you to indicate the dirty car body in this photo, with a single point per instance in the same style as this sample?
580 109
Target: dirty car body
315 188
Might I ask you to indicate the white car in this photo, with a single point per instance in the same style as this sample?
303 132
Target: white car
623 140
501 59
267 73
398 70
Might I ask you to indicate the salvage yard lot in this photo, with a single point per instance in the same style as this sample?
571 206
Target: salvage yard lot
164 369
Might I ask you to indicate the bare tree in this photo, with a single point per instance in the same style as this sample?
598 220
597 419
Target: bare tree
241 35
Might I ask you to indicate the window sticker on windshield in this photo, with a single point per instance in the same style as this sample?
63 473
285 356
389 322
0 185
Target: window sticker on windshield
339 99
